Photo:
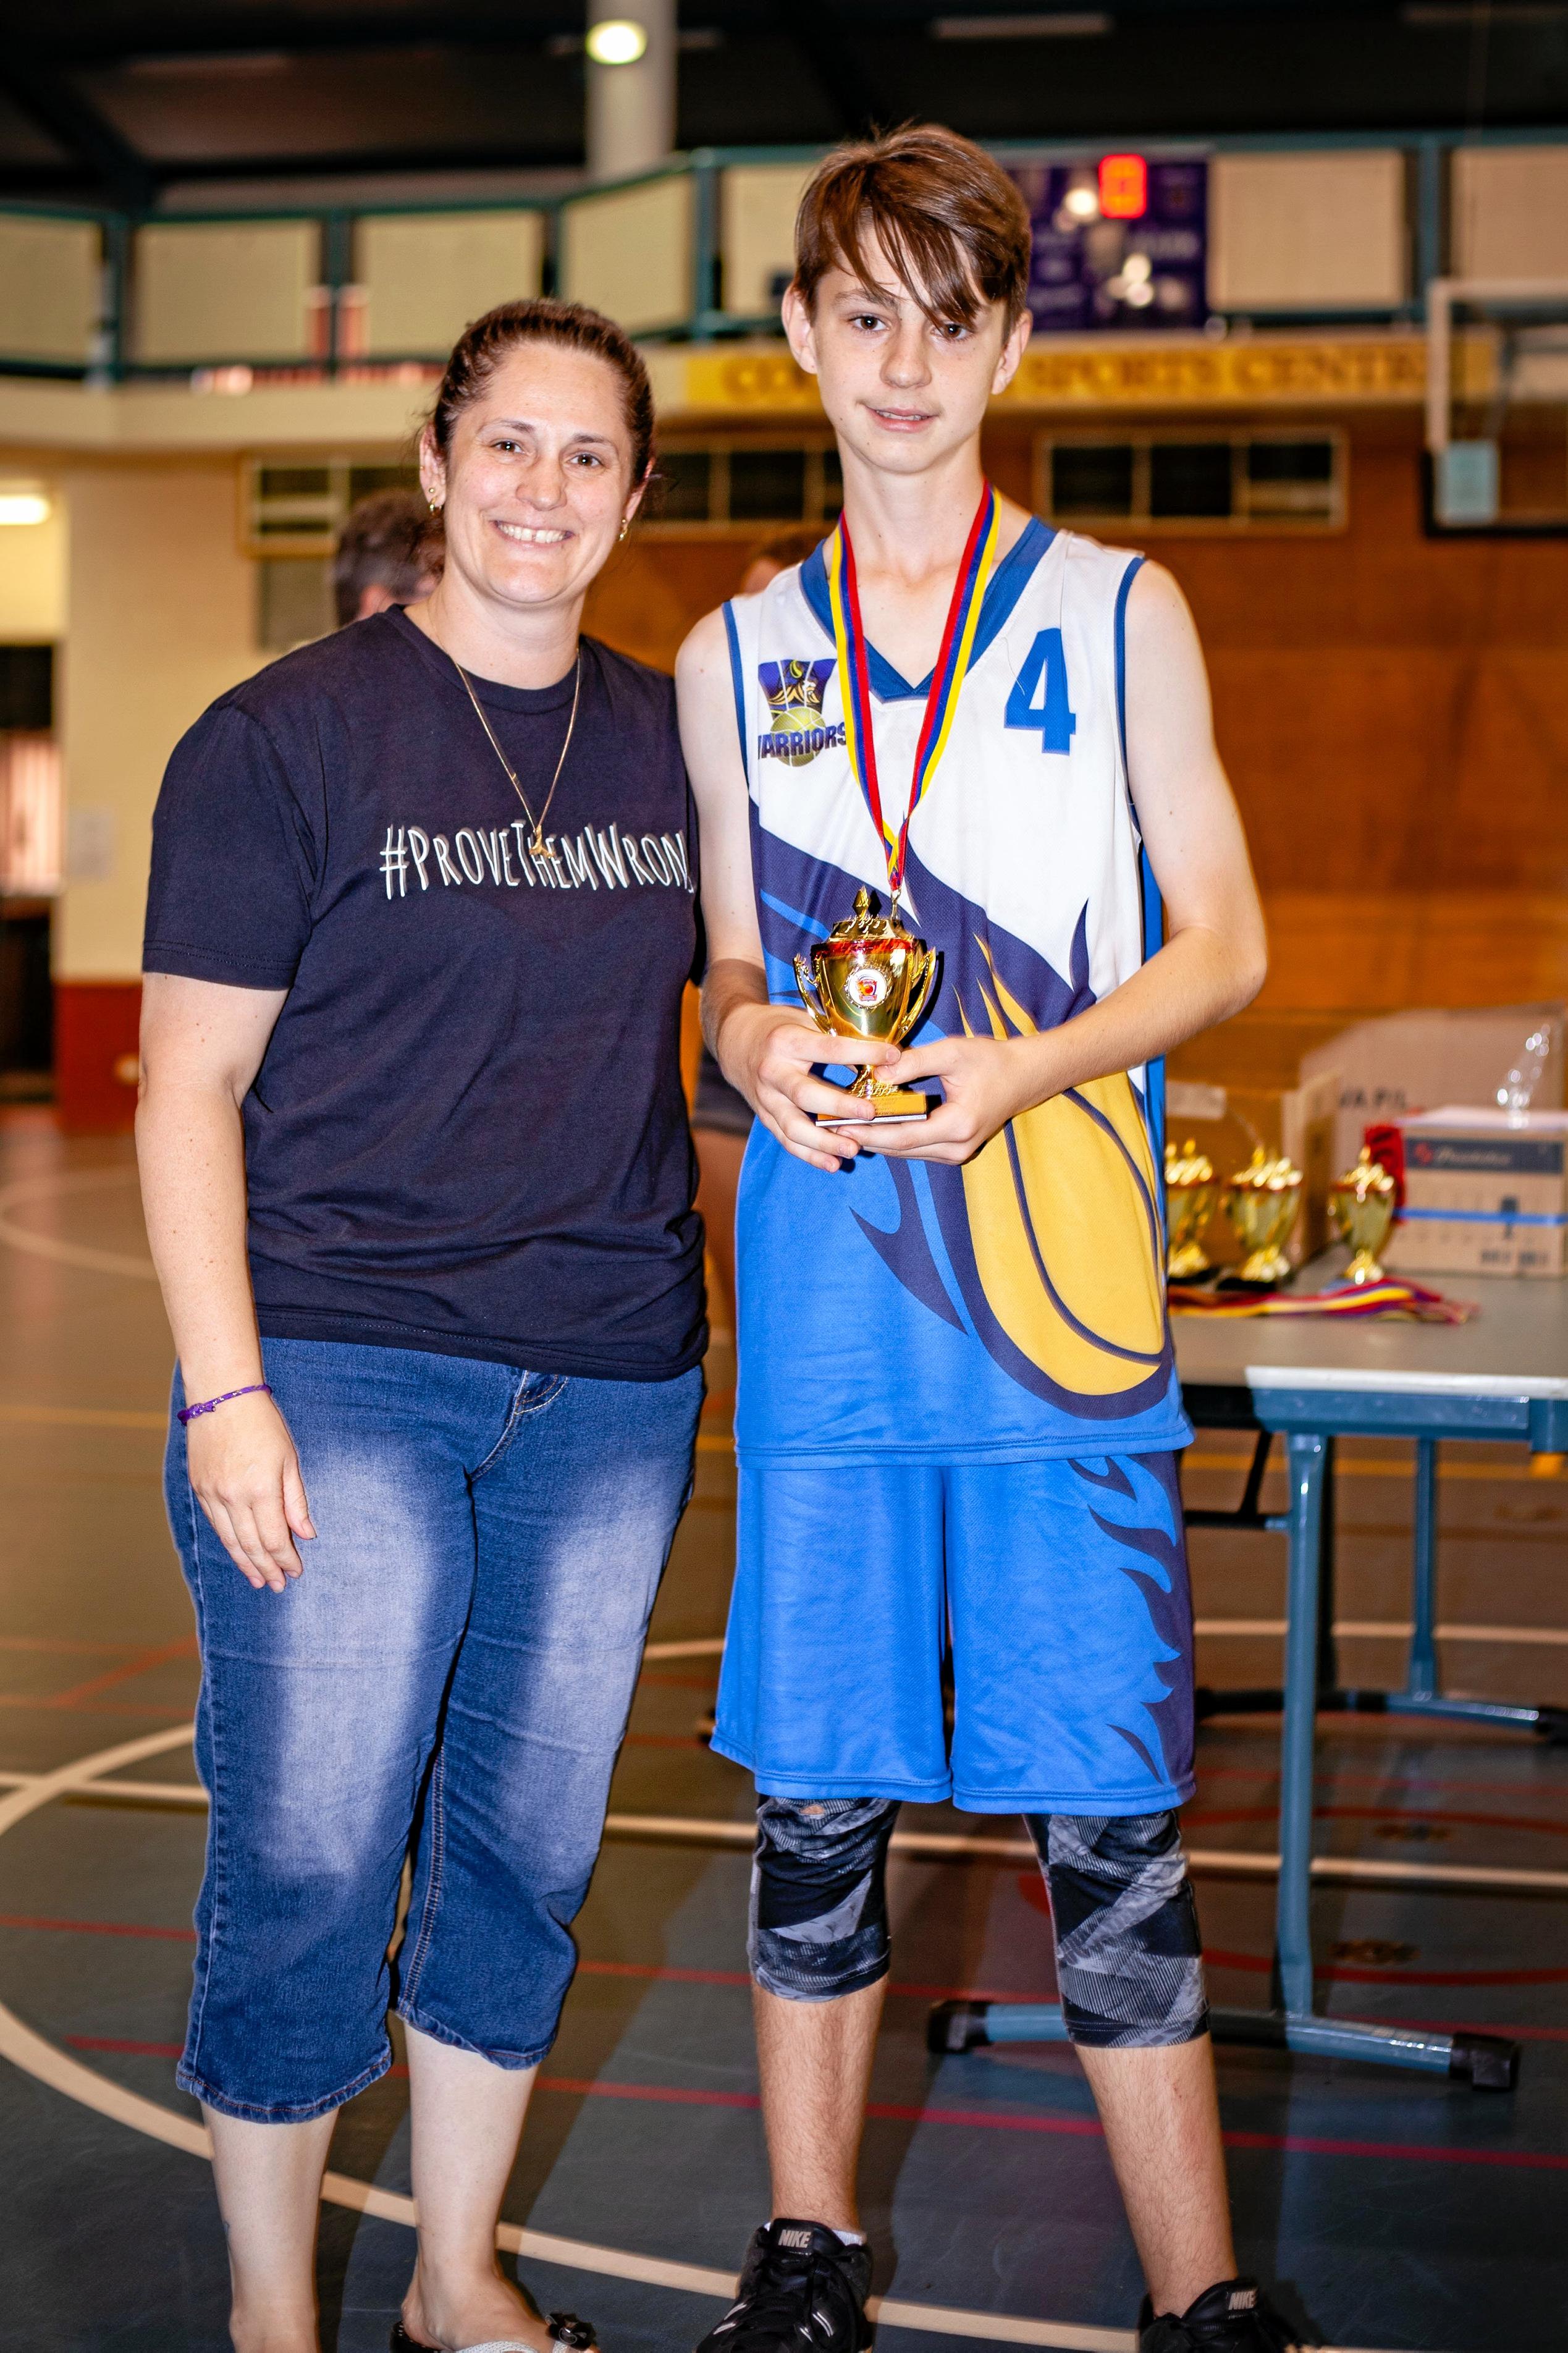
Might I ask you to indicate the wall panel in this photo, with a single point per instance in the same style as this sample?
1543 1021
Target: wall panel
629 252
757 207
49 288
1509 212
426 276
223 291
1313 232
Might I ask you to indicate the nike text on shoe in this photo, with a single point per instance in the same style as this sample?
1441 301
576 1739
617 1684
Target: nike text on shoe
802 2291
1235 2316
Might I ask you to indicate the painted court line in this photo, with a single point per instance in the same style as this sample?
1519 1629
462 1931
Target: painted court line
1378 1466
695 1829
1392 1629
50 2064
1215 1958
48 1189
681 2095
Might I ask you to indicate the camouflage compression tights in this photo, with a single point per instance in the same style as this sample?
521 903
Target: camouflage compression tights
1129 1960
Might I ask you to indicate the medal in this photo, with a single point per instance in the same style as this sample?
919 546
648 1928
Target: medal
946 682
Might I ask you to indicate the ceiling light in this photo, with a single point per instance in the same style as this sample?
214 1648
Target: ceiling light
617 41
23 502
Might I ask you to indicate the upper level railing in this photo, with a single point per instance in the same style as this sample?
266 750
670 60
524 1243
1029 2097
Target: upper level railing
1182 234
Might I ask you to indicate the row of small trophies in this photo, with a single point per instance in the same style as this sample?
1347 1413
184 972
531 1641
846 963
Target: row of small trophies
1263 1201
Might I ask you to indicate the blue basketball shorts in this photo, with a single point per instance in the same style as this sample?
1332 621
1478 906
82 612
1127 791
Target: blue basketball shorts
1055 1591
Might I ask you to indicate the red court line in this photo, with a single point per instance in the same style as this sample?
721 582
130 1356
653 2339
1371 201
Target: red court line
1215 1818
140 1664
96 1927
983 2119
1330 1778
1467 2026
1340 1974
92 1707
1253 1963
48 1643
116 2042
742 1978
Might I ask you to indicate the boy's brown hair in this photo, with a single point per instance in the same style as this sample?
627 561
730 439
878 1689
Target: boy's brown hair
952 223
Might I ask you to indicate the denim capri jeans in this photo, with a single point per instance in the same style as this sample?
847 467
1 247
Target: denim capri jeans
451 1675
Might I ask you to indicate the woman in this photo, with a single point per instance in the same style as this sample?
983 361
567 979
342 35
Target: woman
420 918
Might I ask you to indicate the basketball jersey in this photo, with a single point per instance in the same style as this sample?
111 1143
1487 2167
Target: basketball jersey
1012 1308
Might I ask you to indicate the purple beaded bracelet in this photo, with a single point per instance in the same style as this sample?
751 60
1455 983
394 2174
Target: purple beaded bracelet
257 1388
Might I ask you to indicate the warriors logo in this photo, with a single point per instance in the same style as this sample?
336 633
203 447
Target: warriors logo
794 690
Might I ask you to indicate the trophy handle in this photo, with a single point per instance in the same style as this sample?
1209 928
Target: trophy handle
914 1012
805 981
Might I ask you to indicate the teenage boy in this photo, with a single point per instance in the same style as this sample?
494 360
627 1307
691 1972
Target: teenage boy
958 1414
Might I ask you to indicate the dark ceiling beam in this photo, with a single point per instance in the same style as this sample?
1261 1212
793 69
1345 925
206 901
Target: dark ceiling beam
818 35
48 99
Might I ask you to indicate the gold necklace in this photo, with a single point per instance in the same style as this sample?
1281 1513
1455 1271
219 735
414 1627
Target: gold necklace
536 847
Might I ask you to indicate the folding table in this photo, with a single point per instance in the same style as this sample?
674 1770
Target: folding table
1311 1380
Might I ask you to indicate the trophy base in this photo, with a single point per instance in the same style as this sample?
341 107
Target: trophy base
880 1110
1363 1268
1188 1263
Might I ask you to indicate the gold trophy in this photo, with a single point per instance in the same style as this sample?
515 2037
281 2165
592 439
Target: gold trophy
1263 1201
869 978
1362 1204
1189 1198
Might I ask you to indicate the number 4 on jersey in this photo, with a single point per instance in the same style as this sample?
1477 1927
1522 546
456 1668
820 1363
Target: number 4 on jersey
1045 671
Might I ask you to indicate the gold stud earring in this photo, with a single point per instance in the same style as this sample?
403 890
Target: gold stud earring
626 526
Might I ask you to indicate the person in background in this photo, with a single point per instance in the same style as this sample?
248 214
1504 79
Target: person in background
388 553
721 1116
418 1181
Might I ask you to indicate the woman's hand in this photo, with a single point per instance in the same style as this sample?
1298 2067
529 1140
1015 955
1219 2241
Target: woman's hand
768 1051
246 1479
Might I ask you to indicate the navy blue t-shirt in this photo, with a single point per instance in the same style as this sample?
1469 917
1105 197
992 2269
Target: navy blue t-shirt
467 1134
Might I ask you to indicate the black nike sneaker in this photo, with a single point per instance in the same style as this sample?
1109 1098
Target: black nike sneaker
1234 2317
802 2287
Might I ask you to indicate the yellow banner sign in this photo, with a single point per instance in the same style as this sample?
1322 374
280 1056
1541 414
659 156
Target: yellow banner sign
1243 372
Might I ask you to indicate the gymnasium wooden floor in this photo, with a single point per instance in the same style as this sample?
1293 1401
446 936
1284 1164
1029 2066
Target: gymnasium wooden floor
1397 2211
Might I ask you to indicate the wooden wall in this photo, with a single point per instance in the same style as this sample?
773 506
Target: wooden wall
1393 710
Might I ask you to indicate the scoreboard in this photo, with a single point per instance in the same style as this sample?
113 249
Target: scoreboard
1122 242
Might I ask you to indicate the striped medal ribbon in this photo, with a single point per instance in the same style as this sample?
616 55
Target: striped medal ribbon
946 682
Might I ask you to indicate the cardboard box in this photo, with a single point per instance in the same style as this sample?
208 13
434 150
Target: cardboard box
1402 1064
1483 1195
1229 1122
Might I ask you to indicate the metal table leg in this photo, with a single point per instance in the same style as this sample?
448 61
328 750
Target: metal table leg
1421 1696
1481 2060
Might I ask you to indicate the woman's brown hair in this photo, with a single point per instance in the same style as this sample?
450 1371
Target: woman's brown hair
952 223
481 347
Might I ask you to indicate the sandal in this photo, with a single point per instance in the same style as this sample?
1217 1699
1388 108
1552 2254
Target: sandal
577 2336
